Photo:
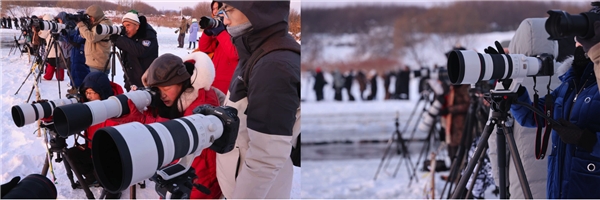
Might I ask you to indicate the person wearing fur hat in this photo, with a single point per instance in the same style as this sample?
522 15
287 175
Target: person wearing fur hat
266 92
139 48
54 64
216 42
97 47
193 33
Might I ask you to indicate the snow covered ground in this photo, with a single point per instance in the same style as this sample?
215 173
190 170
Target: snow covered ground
22 152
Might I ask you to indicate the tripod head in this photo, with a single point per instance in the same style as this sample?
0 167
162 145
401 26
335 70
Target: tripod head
176 181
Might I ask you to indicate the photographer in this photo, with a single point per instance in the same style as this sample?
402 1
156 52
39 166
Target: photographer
97 47
95 86
574 161
78 68
266 91
181 88
183 28
193 33
139 48
54 63
216 42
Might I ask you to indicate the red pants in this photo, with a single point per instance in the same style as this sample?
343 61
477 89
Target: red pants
60 73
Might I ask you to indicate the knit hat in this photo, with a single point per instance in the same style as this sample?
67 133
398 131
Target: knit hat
167 69
95 11
194 20
131 17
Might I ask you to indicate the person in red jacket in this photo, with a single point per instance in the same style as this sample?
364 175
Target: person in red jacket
181 88
216 42
95 86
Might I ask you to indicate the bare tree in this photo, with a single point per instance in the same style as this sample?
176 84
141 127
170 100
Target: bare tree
202 9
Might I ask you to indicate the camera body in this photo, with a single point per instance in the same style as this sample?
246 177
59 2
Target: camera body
561 24
79 17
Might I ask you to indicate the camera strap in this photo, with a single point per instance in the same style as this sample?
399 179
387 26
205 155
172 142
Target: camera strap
541 142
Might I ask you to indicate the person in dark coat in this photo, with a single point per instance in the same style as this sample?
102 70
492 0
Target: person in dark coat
373 81
270 96
139 47
320 83
9 22
16 20
78 68
361 78
349 79
402 81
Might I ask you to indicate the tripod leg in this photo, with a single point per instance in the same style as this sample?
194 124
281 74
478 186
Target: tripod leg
518 164
476 173
46 166
69 170
84 185
132 192
502 168
471 166
387 150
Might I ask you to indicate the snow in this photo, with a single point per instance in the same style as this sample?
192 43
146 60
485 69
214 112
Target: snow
22 152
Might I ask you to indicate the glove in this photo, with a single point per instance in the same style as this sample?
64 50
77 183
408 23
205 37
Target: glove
215 31
114 37
5 188
588 43
521 90
63 32
491 50
580 60
571 134
444 112
177 31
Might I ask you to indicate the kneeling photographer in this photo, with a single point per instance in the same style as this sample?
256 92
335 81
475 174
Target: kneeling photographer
573 164
95 86
139 47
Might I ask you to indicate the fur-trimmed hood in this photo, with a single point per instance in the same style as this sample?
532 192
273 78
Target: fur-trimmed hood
202 78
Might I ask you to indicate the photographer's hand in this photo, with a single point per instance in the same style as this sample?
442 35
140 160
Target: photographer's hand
571 134
590 42
114 37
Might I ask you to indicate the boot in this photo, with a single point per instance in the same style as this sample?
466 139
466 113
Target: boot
49 72
60 74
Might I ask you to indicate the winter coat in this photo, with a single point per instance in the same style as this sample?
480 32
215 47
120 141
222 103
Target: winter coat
97 47
194 28
138 52
594 54
320 81
224 56
338 80
78 68
100 84
268 108
183 27
569 167
458 105
63 41
530 39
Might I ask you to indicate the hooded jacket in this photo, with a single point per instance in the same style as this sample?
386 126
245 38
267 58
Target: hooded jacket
97 47
530 39
100 84
268 104
194 28
138 52
78 68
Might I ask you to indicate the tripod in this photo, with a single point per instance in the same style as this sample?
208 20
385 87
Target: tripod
58 145
467 138
426 99
498 117
53 45
111 59
400 149
16 46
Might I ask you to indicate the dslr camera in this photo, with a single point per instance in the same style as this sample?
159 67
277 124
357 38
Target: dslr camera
561 24
79 17
209 22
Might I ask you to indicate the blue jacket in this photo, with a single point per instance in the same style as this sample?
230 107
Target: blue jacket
568 174
78 68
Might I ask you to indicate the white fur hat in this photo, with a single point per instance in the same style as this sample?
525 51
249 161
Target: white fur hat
131 17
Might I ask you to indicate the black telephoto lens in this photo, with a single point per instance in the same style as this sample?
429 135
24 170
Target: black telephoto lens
34 186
